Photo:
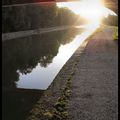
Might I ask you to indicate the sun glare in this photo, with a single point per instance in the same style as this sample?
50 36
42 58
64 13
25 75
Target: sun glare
92 10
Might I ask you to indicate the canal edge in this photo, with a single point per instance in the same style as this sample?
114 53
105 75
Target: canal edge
52 95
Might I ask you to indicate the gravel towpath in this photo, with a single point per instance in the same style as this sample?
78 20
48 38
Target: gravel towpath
95 83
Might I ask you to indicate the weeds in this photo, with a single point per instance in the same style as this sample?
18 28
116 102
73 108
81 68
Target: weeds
59 111
115 36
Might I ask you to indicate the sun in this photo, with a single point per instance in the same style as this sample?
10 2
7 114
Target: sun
92 10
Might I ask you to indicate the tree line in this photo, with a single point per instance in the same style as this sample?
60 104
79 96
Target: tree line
37 16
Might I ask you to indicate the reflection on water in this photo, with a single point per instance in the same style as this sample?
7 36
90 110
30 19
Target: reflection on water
23 56
34 61
41 77
31 63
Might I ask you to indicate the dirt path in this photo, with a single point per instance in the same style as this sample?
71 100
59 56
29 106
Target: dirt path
95 83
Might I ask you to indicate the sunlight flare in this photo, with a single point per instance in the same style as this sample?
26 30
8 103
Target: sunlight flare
91 10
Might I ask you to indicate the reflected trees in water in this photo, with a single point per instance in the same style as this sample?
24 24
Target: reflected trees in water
24 54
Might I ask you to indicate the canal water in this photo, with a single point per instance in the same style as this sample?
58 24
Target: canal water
33 62
30 64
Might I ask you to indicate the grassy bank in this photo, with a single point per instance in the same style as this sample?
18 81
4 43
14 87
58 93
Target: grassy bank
115 36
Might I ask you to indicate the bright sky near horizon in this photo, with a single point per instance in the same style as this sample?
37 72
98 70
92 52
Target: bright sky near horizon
92 10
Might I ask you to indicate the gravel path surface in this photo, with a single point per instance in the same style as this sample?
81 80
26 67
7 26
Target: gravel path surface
95 83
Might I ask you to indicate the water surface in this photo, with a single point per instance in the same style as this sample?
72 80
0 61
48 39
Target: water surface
33 62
